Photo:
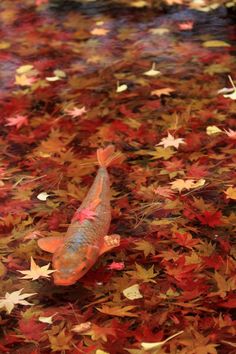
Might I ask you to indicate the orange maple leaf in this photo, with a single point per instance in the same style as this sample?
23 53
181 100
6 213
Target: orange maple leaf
164 91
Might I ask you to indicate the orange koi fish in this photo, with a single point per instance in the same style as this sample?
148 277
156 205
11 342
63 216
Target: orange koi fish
86 238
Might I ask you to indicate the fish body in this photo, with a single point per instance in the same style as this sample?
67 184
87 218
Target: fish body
86 238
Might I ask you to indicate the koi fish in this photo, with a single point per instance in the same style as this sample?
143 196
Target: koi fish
86 238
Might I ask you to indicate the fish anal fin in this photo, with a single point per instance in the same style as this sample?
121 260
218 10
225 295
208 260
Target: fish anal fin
110 242
50 244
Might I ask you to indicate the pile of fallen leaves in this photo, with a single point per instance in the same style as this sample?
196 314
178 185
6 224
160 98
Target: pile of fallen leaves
162 90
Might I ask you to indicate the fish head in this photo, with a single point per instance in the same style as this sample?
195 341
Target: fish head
70 265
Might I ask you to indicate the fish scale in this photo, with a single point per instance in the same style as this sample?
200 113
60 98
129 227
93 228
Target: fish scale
85 240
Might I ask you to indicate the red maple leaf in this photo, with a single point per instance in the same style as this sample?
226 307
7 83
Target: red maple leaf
173 165
210 218
164 192
213 261
84 214
230 302
31 329
197 171
185 240
17 121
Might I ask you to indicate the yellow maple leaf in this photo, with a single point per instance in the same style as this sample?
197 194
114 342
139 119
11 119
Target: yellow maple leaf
146 247
23 69
118 311
181 184
61 342
23 80
146 275
35 271
223 284
231 193
96 332
161 152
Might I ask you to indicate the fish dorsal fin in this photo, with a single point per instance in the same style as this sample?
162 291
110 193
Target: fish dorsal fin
50 244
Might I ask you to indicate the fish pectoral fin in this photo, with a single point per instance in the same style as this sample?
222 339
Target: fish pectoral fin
50 244
110 242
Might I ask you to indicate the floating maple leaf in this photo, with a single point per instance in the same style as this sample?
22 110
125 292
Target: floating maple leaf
61 341
161 153
210 218
146 247
96 332
164 91
197 171
143 274
14 298
118 311
181 184
185 240
231 193
84 214
23 80
171 141
164 192
76 112
17 121
36 272
173 165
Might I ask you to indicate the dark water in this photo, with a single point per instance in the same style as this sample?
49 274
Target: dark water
62 32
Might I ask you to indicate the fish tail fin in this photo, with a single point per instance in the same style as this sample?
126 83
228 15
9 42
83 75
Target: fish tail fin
107 157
